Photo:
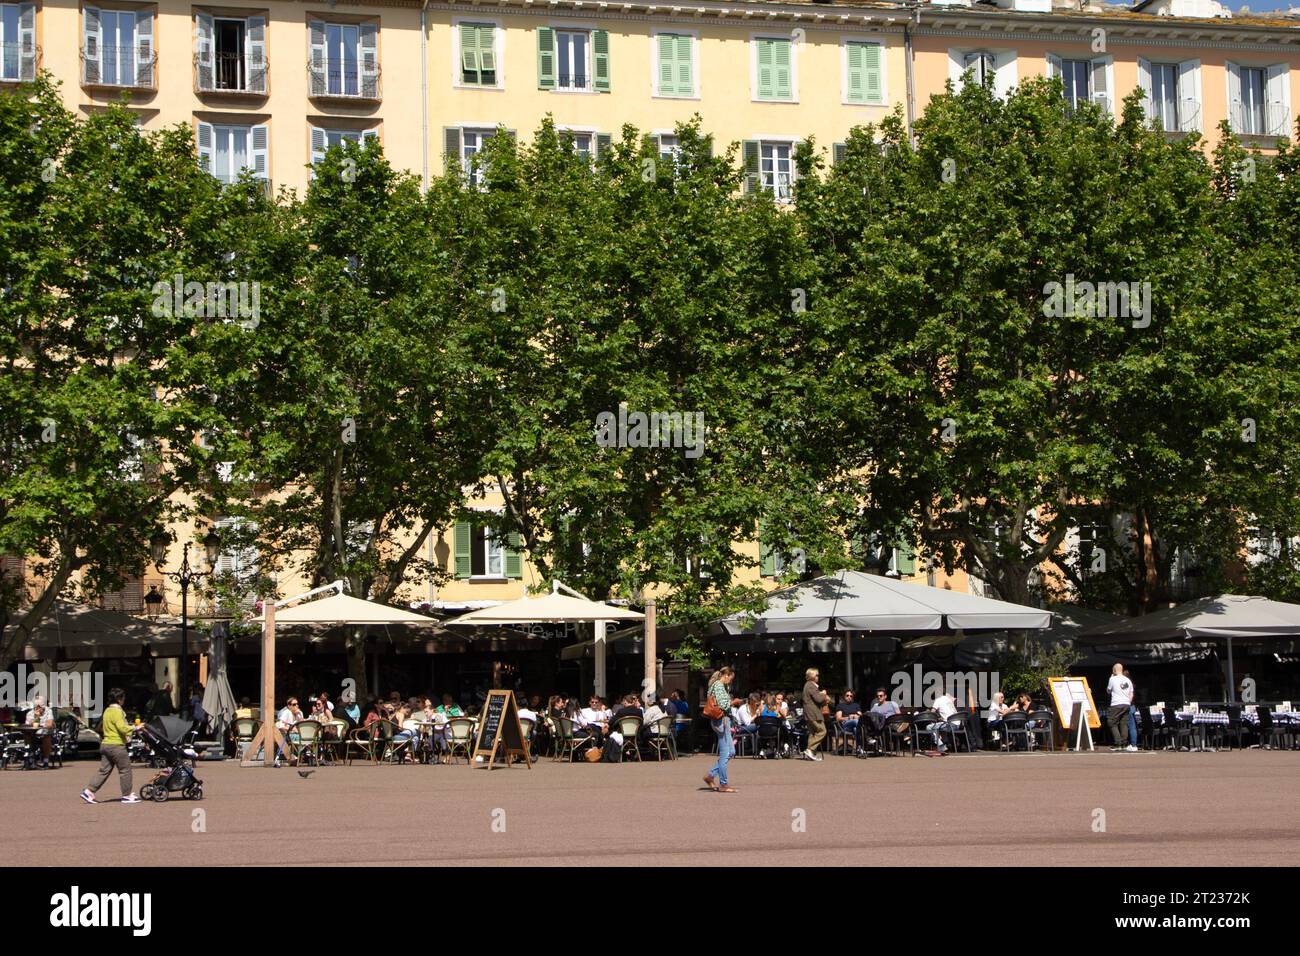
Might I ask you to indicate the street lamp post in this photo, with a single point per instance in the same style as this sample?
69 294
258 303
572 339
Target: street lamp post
185 577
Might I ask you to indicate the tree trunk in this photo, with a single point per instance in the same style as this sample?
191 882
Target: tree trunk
356 643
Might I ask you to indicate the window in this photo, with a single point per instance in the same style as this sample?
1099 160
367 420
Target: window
480 553
773 564
231 54
587 144
864 78
117 48
344 59
1082 80
773 69
674 65
472 141
1259 99
573 59
226 151
1250 111
236 559
670 148
323 139
478 56
1171 94
769 165
995 68
17 41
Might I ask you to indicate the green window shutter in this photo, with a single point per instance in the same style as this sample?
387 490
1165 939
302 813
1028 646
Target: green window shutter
600 59
665 53
782 69
873 72
855 54
487 54
766 556
545 58
766 69
469 61
685 68
750 151
604 142
906 560
461 540
514 563
451 148
837 153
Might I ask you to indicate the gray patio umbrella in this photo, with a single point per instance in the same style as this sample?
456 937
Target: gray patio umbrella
854 601
218 698
1225 617
79 632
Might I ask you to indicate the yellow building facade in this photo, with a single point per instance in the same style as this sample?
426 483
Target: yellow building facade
271 85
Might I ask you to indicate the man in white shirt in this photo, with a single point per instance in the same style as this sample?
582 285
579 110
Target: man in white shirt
1121 699
945 706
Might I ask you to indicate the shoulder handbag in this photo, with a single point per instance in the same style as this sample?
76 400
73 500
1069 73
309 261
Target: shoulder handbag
712 710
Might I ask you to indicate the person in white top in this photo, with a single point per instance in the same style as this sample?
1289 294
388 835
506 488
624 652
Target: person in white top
1121 699
997 710
945 705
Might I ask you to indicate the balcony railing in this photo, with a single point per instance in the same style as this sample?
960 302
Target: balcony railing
231 73
124 67
1263 119
18 65
333 82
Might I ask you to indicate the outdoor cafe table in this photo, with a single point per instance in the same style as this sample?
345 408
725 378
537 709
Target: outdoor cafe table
1201 721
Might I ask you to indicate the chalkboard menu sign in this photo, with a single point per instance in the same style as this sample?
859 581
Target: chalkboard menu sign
499 731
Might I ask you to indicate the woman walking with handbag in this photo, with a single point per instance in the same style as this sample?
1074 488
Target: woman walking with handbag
816 708
718 709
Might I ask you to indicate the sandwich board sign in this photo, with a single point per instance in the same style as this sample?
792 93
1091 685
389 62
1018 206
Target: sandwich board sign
1075 708
499 731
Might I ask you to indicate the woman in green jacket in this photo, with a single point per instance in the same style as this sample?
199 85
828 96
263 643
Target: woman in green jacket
112 750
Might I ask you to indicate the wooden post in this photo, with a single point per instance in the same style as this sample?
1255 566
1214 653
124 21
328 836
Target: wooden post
598 657
651 682
268 737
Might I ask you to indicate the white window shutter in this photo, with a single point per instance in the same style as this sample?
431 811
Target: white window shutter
259 137
1053 66
368 40
1144 82
1103 82
92 45
144 49
255 54
205 51
27 42
956 67
369 134
1277 96
1189 95
1004 73
318 145
205 138
318 56
1232 72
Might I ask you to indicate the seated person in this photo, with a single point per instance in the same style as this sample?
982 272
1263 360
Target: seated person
997 711
525 712
289 715
782 706
945 705
449 708
747 713
245 709
847 714
591 720
770 708
41 718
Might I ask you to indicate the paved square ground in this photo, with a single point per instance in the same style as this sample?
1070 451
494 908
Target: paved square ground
1219 809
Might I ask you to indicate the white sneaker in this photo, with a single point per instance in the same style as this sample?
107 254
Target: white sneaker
130 798
1131 749
88 796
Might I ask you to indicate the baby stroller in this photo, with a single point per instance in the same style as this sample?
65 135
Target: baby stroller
166 738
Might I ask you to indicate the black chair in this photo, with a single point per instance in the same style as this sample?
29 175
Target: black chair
899 729
1015 726
767 739
1148 733
1177 730
959 727
1041 723
1225 733
1268 731
930 724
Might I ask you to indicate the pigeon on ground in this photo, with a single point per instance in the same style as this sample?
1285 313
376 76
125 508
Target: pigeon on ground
305 773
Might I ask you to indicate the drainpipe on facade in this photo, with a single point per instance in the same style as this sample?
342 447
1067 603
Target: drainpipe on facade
424 93
910 66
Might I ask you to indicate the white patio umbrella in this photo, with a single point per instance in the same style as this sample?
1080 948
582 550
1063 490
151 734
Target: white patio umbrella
81 632
1227 617
556 608
339 608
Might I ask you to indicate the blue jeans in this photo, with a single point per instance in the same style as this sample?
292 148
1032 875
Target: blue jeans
1132 726
722 730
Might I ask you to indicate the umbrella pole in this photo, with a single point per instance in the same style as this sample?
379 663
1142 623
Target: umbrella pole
598 682
650 683
1231 694
848 660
